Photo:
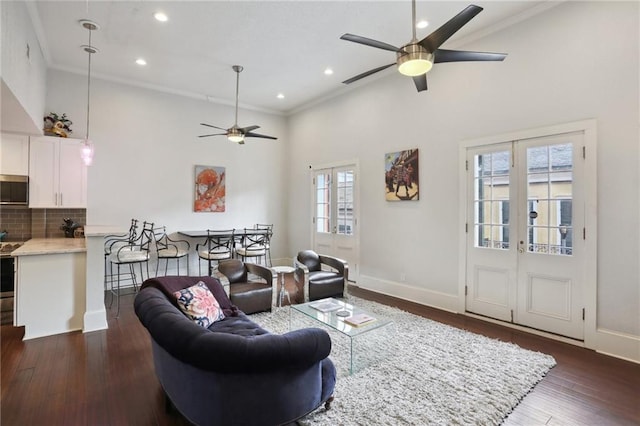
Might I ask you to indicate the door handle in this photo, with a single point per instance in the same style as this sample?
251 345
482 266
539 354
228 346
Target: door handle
521 248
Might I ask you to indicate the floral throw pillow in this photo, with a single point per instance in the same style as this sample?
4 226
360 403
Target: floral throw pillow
199 304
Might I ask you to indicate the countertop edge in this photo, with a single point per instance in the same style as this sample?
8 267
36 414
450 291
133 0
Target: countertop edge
44 246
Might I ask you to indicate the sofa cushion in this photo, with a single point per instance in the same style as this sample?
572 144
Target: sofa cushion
169 285
199 305
310 259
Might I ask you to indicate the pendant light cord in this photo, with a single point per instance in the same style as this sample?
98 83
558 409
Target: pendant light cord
89 85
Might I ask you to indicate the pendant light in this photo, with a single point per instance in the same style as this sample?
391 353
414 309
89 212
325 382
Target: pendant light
87 146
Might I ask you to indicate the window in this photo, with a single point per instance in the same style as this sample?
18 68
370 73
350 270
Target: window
491 199
549 194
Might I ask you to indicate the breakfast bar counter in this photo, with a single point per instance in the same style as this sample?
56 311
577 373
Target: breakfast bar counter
50 286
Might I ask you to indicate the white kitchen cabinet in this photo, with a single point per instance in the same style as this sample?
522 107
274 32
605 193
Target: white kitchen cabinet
14 154
57 174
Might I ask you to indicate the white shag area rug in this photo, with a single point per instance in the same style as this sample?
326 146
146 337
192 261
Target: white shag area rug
416 371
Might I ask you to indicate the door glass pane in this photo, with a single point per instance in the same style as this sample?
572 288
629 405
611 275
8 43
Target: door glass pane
491 199
323 202
344 202
549 191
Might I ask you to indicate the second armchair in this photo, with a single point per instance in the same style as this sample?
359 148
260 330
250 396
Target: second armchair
320 283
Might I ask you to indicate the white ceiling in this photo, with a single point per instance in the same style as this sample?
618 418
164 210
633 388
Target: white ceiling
284 46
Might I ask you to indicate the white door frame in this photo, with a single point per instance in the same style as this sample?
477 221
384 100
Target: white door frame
589 128
354 270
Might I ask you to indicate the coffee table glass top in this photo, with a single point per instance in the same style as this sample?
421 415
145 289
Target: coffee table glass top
334 312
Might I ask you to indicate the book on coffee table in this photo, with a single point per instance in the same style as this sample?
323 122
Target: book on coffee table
326 305
359 319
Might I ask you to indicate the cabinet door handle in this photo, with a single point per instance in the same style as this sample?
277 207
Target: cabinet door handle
61 199
55 198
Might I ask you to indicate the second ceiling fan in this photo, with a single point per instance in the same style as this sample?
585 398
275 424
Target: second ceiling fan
416 58
236 133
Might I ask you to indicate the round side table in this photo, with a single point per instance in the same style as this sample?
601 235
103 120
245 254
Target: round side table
282 271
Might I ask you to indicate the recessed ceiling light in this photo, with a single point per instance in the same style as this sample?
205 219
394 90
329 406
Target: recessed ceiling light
422 24
141 61
280 96
328 71
161 17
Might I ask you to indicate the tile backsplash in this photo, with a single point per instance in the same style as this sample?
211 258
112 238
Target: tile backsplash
23 223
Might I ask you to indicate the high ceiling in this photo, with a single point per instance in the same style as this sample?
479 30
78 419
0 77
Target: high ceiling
284 46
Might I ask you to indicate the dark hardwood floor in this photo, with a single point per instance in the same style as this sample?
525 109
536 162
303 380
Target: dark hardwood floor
106 377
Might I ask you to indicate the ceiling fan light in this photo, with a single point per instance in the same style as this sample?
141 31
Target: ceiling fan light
415 63
234 135
235 138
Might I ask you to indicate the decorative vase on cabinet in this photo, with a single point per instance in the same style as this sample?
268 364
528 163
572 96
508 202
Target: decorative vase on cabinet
57 174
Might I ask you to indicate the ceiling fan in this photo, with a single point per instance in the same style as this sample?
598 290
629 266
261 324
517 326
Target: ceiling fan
236 133
416 58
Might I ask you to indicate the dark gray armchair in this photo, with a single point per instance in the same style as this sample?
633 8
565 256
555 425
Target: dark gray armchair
250 287
322 275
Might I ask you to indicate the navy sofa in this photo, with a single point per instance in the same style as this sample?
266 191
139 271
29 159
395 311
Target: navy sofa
234 372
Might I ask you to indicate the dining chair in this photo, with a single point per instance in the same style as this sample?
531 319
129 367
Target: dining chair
218 246
167 248
254 245
269 229
134 252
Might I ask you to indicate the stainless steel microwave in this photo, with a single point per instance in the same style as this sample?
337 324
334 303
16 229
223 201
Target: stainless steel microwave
14 190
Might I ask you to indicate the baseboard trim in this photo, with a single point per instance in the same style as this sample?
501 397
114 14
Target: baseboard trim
618 345
95 320
611 343
435 299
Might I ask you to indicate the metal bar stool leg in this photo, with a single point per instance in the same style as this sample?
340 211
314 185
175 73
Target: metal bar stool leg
118 303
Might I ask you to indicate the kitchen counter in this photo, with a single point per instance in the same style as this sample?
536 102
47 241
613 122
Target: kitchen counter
38 246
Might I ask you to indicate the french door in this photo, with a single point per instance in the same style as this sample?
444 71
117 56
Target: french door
525 235
335 214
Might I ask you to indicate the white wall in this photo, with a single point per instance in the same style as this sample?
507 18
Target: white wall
146 147
23 76
576 61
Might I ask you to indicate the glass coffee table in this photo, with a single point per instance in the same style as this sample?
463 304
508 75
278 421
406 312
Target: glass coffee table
342 317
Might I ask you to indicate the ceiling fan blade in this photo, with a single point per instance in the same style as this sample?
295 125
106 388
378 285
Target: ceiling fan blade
442 34
421 82
248 129
214 134
442 55
369 42
258 135
367 73
215 127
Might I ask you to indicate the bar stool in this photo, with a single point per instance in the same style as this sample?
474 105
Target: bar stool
114 242
168 248
135 252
